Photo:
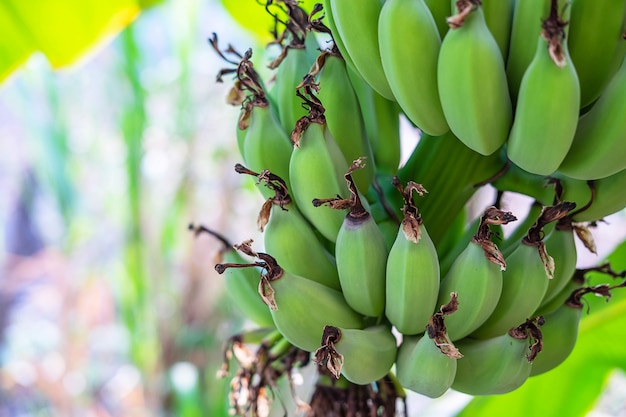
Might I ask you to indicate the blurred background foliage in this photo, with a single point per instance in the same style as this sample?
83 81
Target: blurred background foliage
114 136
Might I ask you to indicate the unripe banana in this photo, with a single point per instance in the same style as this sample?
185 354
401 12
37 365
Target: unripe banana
343 115
472 82
476 276
382 124
497 365
412 277
241 284
596 31
440 10
330 23
525 281
361 255
560 332
561 246
510 243
316 169
266 145
427 364
525 30
290 298
361 356
545 122
499 18
409 41
357 26
289 237
260 138
598 147
291 70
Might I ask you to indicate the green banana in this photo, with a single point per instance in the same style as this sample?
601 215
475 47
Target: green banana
289 237
241 284
525 29
500 364
472 81
476 276
599 144
343 115
560 330
316 169
427 364
360 253
499 18
299 48
330 23
409 40
357 26
545 122
362 356
525 280
576 281
440 11
382 124
561 246
261 140
290 298
593 42
412 274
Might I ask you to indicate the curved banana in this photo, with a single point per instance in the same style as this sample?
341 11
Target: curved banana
361 356
560 332
412 274
593 42
343 115
525 29
289 237
499 18
266 145
290 298
330 22
476 276
497 365
409 41
316 170
289 75
545 123
357 26
241 284
472 82
382 124
561 245
599 144
427 364
361 255
299 48
525 280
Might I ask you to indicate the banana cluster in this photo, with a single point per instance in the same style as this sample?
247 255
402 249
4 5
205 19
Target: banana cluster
374 266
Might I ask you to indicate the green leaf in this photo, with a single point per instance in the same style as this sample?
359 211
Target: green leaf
572 388
65 31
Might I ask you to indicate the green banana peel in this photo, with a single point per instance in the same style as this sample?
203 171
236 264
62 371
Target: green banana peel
574 387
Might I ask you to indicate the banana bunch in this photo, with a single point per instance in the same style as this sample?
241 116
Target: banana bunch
509 93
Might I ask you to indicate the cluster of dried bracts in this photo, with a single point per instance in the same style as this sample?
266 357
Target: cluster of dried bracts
371 269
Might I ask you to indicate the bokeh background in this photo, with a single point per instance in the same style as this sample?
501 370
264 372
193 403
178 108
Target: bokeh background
109 306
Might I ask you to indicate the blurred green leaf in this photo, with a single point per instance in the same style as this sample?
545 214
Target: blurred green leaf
573 388
65 31
252 16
